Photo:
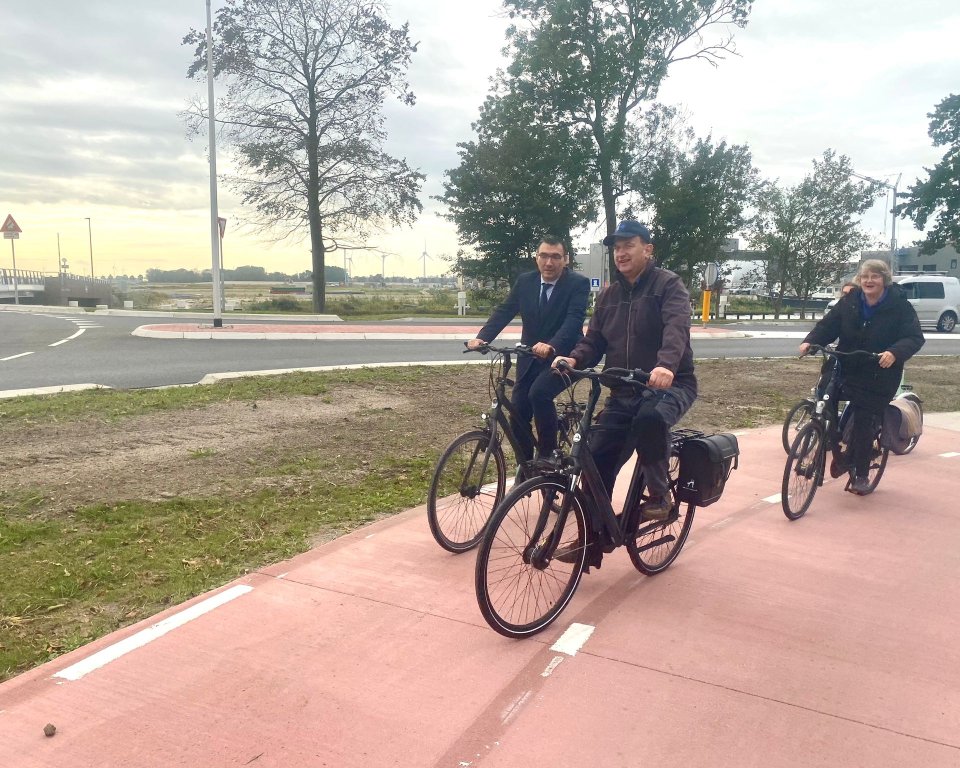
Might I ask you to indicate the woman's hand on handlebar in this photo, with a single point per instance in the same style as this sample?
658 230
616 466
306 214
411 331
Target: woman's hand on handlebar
887 359
475 343
804 349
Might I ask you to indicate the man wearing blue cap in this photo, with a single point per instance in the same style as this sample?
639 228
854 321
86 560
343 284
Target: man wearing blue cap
552 301
641 320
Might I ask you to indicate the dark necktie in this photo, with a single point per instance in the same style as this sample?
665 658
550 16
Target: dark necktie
543 295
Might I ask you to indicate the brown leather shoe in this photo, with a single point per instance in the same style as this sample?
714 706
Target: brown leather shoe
657 508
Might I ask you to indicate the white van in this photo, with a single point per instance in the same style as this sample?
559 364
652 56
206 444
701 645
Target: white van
935 297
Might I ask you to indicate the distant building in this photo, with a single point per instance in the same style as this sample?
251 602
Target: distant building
946 260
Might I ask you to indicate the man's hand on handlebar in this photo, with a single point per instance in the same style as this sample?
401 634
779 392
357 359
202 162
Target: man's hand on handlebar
887 359
804 349
475 343
660 378
542 350
567 361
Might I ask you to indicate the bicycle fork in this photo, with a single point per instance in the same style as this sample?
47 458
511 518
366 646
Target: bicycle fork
541 549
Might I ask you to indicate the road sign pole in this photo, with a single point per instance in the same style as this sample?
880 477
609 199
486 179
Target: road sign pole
16 287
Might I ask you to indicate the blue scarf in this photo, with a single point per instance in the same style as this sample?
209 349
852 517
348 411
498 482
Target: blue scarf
866 311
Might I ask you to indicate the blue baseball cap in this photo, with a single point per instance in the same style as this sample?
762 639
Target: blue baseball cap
627 229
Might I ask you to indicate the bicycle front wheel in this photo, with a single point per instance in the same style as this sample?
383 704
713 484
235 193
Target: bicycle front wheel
797 418
465 490
520 591
803 471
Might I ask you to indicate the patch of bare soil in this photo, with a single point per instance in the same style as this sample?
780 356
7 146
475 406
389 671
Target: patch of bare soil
226 448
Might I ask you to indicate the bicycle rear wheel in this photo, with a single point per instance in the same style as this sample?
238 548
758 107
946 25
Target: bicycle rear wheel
460 499
797 418
878 462
803 471
519 591
657 543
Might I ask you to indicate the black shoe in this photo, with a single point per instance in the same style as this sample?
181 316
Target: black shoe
838 466
860 485
550 462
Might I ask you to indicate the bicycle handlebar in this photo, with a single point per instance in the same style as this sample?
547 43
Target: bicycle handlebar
517 349
833 352
610 376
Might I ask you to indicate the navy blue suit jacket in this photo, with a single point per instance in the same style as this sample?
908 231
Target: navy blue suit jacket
560 325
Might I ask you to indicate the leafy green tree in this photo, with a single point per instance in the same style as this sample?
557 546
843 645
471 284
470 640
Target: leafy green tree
698 198
306 84
938 197
810 232
589 66
518 180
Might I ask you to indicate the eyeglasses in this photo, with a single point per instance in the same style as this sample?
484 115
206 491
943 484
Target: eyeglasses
550 256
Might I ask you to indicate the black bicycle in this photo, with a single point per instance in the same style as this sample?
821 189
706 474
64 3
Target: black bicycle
550 528
826 431
470 478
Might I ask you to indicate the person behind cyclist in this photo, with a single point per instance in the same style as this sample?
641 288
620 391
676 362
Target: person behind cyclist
874 317
552 302
641 320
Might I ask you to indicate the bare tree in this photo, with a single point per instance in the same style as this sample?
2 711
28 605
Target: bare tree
306 84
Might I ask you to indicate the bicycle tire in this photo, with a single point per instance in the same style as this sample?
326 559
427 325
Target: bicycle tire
803 471
797 418
518 599
656 544
458 503
878 462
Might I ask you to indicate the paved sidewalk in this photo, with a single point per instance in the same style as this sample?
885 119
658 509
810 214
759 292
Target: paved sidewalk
827 642
345 331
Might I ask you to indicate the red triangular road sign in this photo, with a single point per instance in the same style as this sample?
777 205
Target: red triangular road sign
10 225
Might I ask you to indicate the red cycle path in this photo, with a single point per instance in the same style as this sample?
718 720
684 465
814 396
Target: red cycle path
831 641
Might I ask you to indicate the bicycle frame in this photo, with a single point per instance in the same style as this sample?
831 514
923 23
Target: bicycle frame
581 468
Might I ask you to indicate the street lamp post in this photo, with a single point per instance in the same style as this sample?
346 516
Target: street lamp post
214 225
893 215
90 236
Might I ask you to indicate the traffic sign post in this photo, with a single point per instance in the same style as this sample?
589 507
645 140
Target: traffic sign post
710 274
11 232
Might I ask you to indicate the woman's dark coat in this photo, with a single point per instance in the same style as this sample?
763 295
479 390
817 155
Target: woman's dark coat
894 327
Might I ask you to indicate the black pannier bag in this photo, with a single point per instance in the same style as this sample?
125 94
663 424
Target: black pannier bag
705 464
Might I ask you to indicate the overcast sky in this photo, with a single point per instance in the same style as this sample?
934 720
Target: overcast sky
90 93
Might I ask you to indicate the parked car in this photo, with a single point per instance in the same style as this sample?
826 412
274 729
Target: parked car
935 297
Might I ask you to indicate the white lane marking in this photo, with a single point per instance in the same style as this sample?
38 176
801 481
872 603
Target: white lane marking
141 638
554 663
775 499
14 357
573 639
64 341
949 455
721 523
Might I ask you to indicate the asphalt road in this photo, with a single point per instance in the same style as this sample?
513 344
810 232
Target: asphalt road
53 349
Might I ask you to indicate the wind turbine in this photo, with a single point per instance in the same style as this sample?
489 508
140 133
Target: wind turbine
424 257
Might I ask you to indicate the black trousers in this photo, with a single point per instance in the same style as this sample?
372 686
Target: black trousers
640 423
533 398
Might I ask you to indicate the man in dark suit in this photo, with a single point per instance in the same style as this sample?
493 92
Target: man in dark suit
552 302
